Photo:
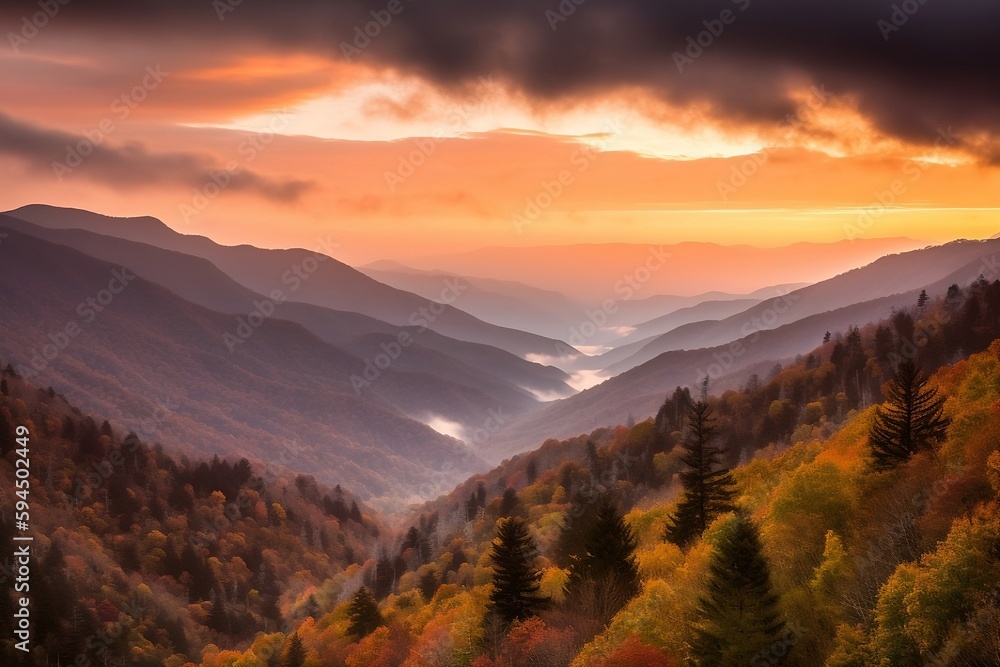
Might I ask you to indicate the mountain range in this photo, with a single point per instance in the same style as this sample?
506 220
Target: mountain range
370 377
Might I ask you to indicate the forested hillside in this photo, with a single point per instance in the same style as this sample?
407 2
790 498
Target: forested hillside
630 545
142 559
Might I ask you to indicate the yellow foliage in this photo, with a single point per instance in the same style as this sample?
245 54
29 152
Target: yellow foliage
553 584
660 561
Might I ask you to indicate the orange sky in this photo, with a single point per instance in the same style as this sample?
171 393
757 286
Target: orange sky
326 148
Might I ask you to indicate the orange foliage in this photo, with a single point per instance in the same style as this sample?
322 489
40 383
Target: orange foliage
633 652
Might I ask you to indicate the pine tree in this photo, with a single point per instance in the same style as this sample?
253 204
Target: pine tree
708 489
363 614
912 419
604 577
826 337
922 299
355 513
739 613
295 654
515 595
509 502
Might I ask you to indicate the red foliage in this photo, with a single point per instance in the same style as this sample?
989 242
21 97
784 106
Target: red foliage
633 653
107 612
532 642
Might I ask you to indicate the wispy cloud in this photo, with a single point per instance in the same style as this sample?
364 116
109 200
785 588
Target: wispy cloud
130 164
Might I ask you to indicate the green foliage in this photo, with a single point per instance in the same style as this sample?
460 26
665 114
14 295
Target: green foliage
363 614
515 595
739 613
911 420
605 576
295 654
708 490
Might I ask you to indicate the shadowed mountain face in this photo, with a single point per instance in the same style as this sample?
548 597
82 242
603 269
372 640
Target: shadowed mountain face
133 350
505 377
354 373
638 391
893 274
503 302
327 282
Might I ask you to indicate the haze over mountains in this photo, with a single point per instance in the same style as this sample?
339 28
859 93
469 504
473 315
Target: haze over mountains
330 284
363 379
616 269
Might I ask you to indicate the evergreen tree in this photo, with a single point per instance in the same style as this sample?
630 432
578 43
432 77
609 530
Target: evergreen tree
604 577
531 472
508 503
910 420
739 613
515 595
385 577
922 299
826 337
708 489
363 614
295 654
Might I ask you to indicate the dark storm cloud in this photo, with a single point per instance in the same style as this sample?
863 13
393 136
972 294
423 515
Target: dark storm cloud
63 155
927 66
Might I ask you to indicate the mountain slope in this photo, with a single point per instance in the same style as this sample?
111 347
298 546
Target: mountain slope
893 274
282 396
640 390
502 302
311 277
706 310
509 377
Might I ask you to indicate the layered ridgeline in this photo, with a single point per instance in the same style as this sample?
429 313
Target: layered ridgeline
330 283
837 561
776 330
127 348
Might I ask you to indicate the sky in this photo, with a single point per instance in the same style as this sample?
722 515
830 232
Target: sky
410 128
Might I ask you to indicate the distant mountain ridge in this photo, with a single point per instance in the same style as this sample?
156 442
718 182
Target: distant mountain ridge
330 284
639 390
284 397
509 377
592 272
